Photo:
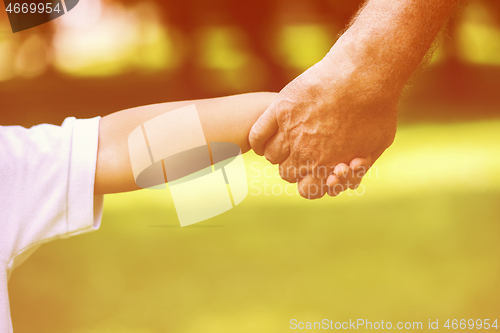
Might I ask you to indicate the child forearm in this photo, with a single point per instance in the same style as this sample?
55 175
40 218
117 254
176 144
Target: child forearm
225 119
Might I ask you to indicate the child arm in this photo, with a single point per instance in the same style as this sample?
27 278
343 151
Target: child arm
225 119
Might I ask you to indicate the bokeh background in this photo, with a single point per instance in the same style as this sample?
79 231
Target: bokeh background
420 240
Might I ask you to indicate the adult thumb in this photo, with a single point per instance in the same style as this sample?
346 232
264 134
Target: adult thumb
263 129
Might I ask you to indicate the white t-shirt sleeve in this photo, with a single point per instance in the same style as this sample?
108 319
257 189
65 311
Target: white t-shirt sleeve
47 177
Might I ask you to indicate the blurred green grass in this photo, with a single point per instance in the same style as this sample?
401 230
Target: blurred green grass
421 243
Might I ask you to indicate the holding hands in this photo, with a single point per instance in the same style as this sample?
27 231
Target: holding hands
330 124
327 127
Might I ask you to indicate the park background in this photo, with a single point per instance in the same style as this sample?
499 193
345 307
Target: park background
421 242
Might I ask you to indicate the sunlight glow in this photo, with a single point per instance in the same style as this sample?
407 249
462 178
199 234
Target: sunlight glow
301 46
221 48
115 40
479 36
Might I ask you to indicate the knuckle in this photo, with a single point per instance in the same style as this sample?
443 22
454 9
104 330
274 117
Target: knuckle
269 156
288 173
312 190
253 137
272 154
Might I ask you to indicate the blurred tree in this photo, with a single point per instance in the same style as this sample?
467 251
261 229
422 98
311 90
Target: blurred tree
259 24
259 19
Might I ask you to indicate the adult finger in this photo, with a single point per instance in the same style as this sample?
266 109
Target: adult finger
289 172
312 188
263 129
298 165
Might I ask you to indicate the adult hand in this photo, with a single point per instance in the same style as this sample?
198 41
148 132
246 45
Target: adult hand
344 109
332 119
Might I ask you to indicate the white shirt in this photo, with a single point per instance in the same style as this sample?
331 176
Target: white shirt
47 177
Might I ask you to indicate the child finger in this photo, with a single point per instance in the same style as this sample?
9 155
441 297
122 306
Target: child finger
263 129
335 185
358 168
360 164
341 170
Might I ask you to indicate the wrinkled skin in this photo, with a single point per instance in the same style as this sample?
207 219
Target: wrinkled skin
327 127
